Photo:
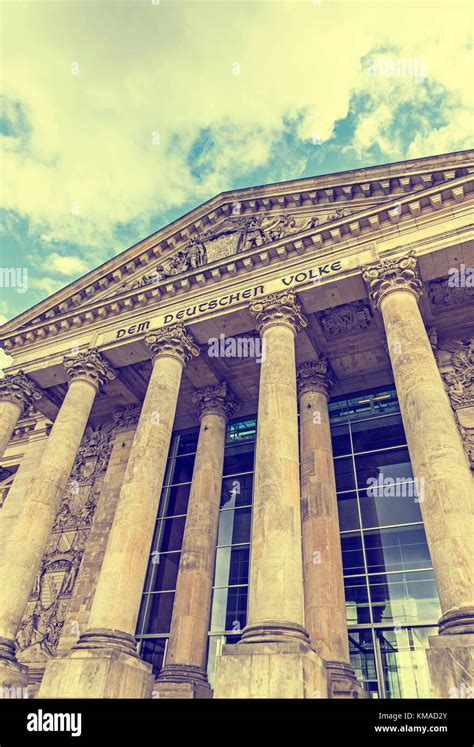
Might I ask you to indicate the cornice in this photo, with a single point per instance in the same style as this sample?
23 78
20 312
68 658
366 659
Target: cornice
321 238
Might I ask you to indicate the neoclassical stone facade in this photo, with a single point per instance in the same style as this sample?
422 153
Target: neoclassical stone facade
312 292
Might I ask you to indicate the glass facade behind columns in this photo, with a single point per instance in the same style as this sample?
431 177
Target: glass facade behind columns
391 598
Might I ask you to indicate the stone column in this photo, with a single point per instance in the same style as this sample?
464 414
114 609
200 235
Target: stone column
439 464
104 663
22 553
17 393
274 658
184 674
325 609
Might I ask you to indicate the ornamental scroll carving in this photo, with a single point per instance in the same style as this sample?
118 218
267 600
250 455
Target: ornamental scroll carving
235 234
456 364
42 623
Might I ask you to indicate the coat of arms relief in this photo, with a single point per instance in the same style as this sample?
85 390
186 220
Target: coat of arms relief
234 235
43 621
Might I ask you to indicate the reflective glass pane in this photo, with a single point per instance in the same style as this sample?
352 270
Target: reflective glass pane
379 508
229 609
357 600
169 534
352 555
234 526
187 443
372 404
174 500
237 491
341 442
241 430
385 469
232 566
378 433
361 649
216 642
238 458
404 597
182 469
344 470
153 650
162 572
155 613
404 663
348 513
396 549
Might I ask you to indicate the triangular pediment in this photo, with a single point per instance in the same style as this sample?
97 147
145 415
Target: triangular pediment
238 222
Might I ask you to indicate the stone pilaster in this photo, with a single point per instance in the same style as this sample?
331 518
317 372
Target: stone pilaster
17 393
184 674
22 552
104 662
439 464
325 611
274 657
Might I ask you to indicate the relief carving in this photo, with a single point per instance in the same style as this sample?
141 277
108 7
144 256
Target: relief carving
346 319
43 621
233 235
441 294
456 364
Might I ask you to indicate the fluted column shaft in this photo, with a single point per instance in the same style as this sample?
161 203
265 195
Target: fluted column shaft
187 644
276 604
22 553
325 611
17 392
116 603
436 452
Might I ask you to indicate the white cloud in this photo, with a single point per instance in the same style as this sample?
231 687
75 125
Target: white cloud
66 265
87 162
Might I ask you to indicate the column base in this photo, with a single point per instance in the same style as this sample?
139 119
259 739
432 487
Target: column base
182 681
13 675
451 665
270 670
103 664
342 682
457 621
274 631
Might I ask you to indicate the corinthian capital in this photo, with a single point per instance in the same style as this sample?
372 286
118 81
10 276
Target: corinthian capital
19 389
216 400
314 377
392 275
172 341
89 366
278 308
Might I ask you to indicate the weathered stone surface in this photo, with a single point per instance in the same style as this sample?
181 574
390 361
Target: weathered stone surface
21 554
451 665
187 644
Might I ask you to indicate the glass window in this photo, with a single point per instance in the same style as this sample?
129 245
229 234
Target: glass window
361 649
162 572
155 613
396 549
241 430
187 441
234 526
229 609
238 458
404 664
183 469
174 500
381 509
357 600
153 651
169 534
232 565
404 597
344 470
385 469
341 440
348 511
237 491
352 553
378 433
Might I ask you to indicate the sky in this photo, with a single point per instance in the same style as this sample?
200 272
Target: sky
118 117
